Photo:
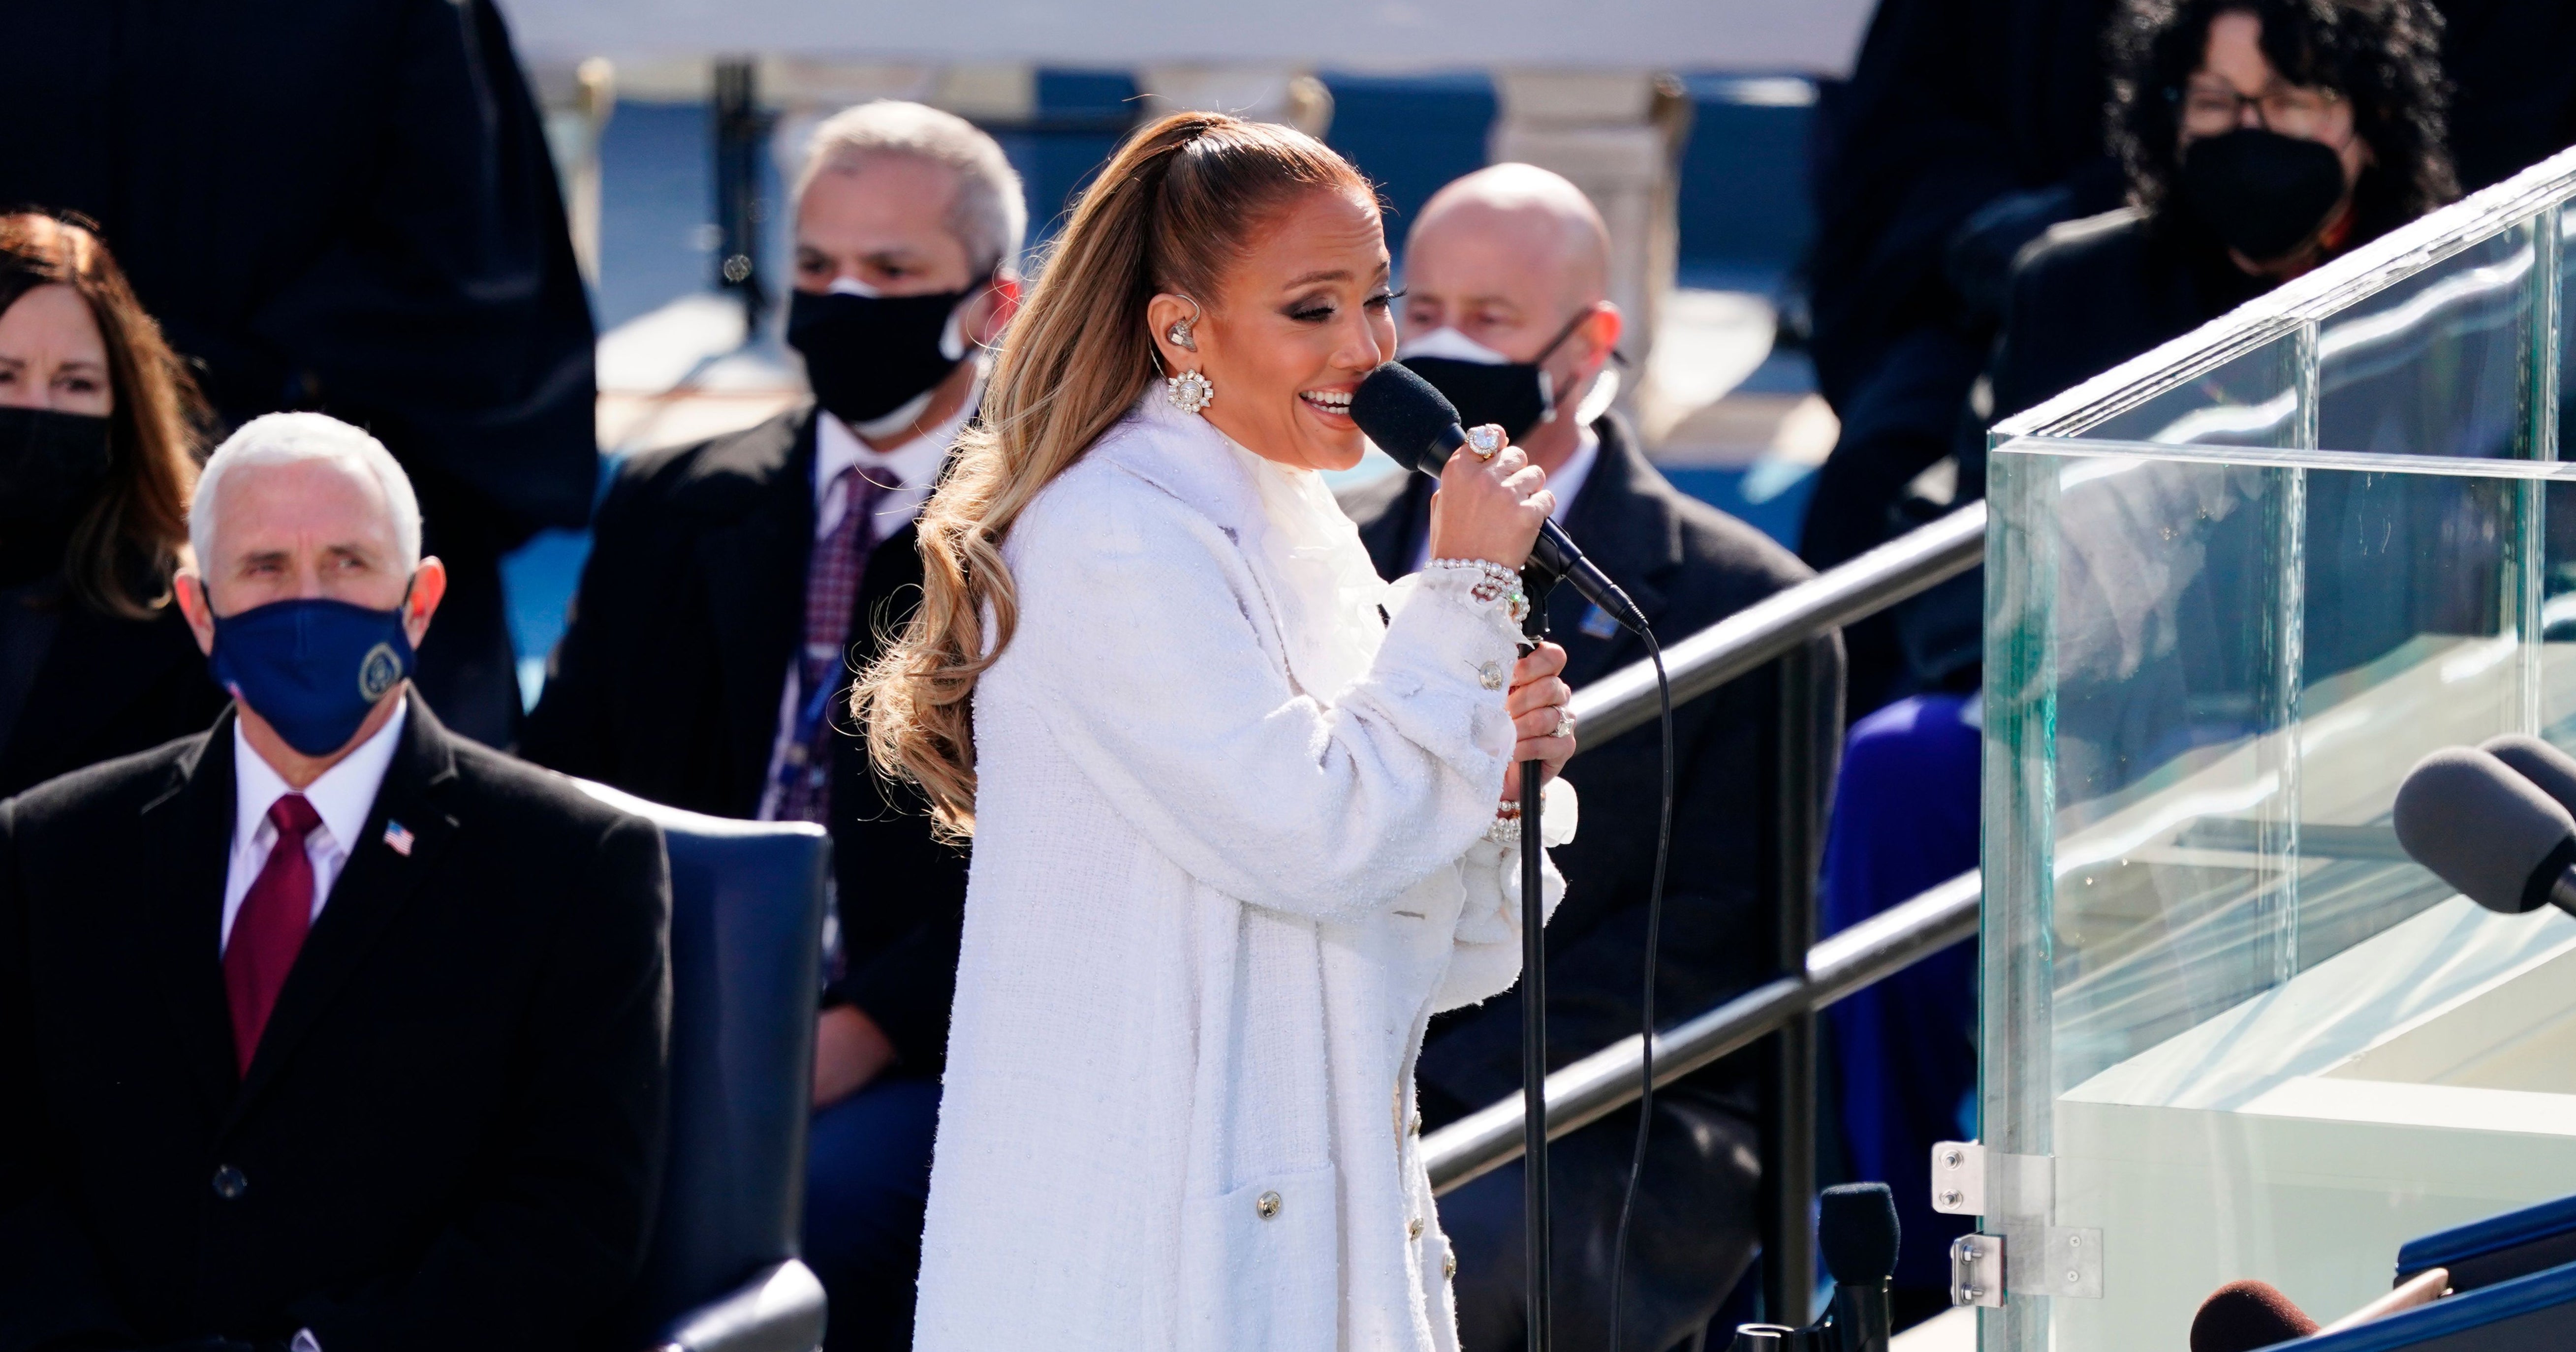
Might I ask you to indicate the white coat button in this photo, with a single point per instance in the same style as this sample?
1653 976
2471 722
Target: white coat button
1490 675
1413 1228
1449 1267
1267 1204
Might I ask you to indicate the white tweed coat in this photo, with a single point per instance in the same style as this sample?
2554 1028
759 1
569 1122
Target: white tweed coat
1229 858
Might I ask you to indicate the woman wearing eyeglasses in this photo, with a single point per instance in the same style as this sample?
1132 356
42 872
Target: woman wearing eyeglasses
2261 138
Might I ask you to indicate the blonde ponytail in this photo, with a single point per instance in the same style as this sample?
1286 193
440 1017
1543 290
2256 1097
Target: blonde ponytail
1169 212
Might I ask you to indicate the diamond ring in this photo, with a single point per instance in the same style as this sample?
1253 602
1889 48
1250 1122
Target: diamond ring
1564 721
1486 440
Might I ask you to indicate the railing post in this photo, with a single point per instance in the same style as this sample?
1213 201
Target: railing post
1789 1072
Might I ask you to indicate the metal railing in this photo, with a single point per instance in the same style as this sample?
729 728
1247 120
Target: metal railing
1780 628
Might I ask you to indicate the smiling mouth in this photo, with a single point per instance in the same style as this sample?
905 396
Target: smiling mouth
1329 401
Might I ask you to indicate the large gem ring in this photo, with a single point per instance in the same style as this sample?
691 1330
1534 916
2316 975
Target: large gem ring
1564 720
1486 440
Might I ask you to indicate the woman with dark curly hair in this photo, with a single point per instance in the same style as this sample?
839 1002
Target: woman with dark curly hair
2260 138
99 427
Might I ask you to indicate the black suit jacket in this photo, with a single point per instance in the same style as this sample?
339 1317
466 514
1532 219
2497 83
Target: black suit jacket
451 1135
667 684
1687 565
107 687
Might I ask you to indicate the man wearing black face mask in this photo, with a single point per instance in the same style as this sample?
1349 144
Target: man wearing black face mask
733 588
2261 138
1504 311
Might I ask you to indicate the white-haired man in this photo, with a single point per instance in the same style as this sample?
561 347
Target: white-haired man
1506 273
735 585
325 1028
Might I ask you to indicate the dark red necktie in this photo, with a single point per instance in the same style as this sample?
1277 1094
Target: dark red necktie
268 931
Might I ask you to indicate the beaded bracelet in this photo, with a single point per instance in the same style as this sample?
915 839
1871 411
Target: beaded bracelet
1494 583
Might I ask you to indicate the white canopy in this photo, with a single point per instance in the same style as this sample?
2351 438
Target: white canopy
1810 36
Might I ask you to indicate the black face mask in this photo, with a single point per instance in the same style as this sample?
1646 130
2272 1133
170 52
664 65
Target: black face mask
867 356
50 466
1513 395
2264 193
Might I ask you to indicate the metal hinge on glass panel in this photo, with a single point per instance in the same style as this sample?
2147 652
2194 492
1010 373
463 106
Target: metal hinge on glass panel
2020 1253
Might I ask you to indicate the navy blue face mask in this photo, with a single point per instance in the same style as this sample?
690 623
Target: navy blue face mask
313 668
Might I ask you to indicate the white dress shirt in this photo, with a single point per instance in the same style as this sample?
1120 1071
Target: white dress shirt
915 465
1565 483
342 797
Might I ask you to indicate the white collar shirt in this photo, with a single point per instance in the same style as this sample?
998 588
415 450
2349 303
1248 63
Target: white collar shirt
342 797
1565 483
915 464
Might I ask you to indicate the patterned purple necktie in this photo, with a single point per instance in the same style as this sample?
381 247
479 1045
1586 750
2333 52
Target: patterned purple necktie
832 574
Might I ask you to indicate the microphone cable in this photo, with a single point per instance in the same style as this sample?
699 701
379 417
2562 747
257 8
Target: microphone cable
1646 1020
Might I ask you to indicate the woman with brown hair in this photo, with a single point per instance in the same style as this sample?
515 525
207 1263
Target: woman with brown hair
1237 805
99 426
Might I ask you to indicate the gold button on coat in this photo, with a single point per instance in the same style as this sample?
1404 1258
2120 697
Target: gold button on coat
1449 1267
1267 1204
1413 1228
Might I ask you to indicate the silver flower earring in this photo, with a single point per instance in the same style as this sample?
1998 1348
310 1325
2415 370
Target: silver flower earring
1189 391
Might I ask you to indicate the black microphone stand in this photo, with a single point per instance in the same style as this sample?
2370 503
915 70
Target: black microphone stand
1536 583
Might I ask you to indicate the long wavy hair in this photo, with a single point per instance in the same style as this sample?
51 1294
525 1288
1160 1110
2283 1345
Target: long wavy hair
1170 212
126 544
2384 56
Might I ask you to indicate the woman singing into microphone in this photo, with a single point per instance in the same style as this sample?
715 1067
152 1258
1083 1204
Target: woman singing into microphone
1236 803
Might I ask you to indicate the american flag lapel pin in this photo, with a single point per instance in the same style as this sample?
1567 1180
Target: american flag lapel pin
399 838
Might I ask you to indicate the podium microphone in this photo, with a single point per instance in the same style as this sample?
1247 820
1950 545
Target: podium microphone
2242 1316
1856 1227
1416 424
2495 835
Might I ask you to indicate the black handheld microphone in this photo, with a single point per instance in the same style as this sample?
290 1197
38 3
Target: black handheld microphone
1856 1227
1416 424
2498 837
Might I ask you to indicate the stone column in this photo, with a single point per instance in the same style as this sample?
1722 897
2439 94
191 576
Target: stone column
576 103
1618 136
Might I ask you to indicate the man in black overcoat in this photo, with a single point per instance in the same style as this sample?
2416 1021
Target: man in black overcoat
346 206
325 1028
736 585
1505 277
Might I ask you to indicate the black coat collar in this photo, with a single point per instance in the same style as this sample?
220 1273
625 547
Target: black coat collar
754 564
753 567
375 886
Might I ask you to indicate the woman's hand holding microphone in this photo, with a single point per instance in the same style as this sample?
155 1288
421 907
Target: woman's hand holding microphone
1489 508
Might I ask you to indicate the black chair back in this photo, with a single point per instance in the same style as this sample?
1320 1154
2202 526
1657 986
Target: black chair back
746 933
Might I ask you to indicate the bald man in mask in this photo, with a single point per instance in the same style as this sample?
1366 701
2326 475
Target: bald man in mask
1506 310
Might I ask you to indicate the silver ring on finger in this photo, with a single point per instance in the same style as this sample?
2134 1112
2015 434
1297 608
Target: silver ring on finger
1485 440
1564 720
